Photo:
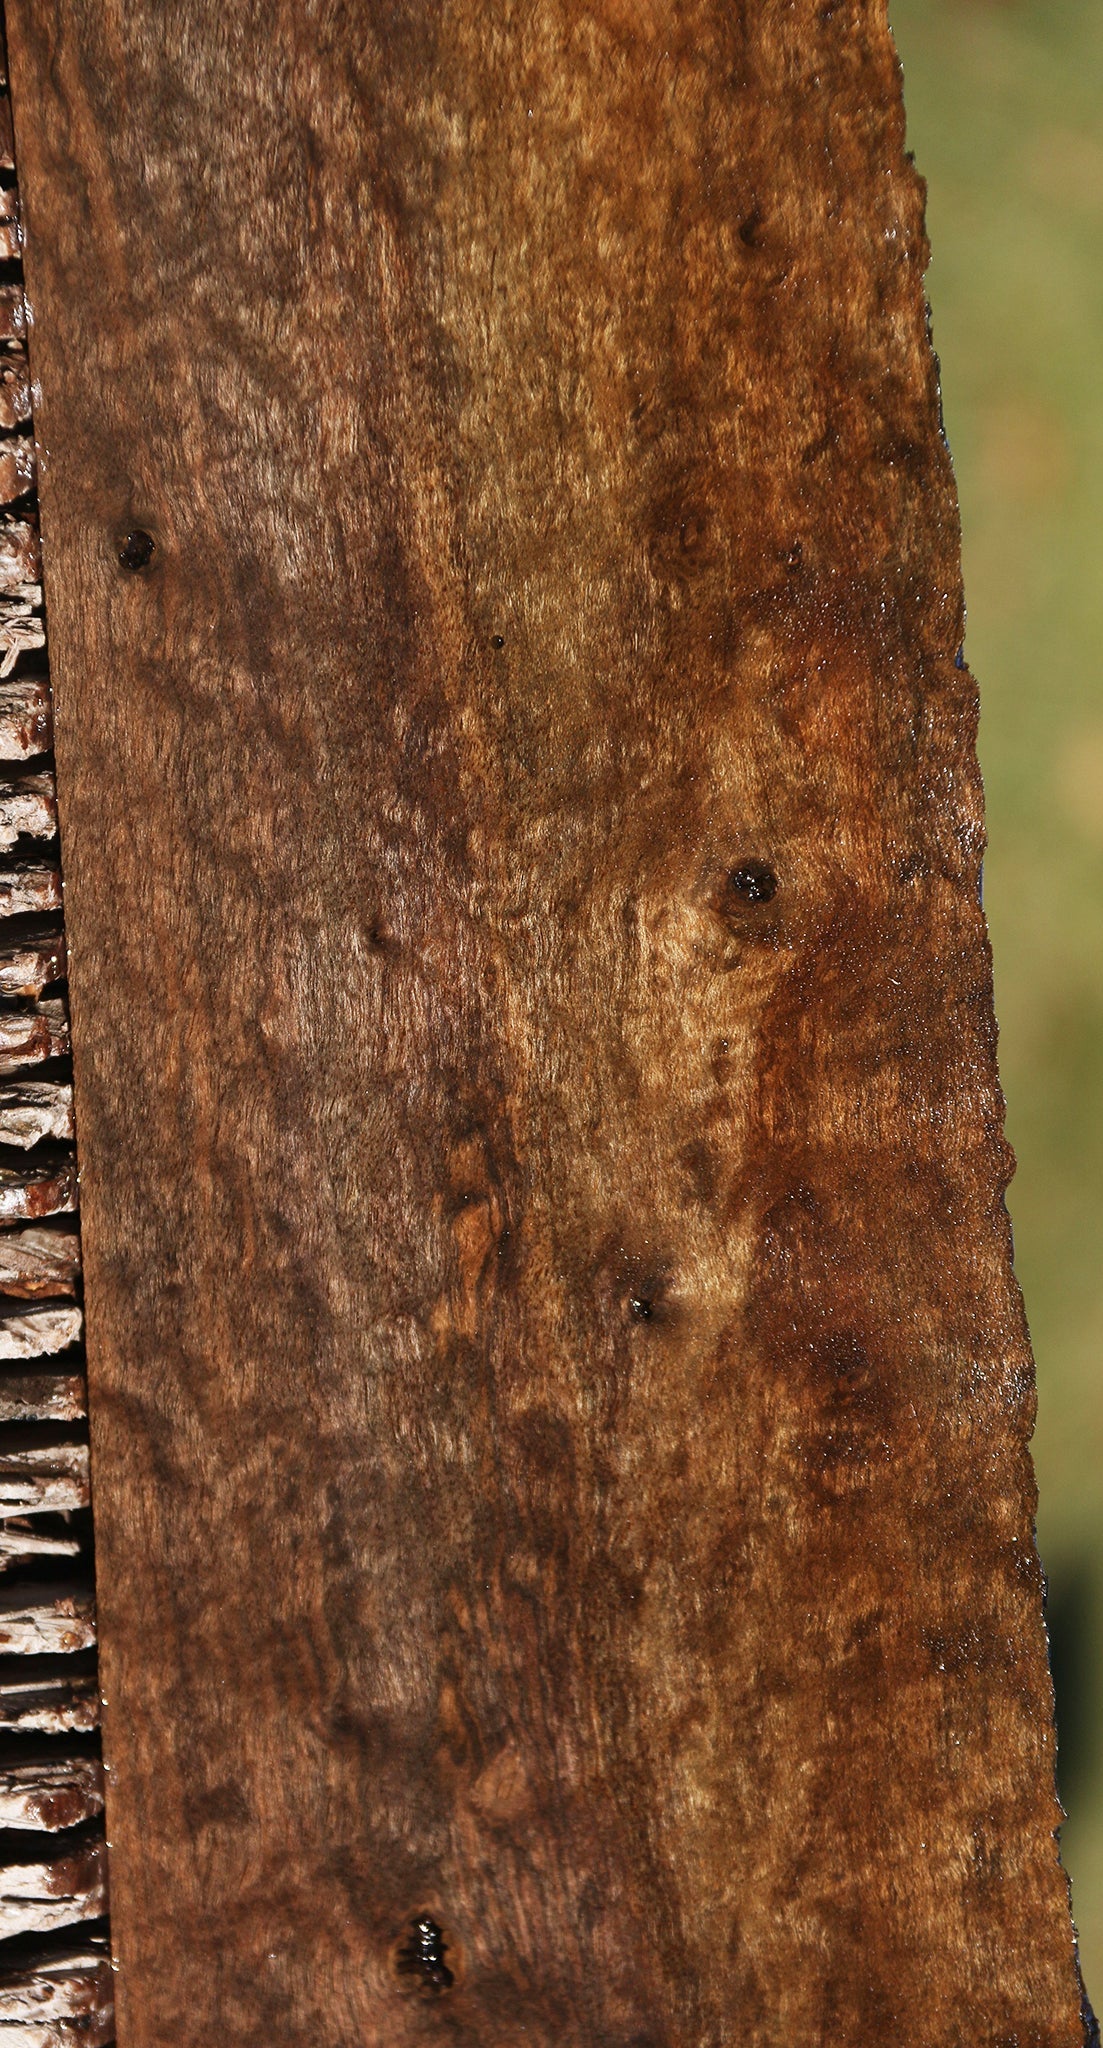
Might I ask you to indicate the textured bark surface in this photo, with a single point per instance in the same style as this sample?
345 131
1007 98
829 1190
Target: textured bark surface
62 2000
559 1397
48 1683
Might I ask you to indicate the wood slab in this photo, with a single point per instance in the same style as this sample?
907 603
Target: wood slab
560 1402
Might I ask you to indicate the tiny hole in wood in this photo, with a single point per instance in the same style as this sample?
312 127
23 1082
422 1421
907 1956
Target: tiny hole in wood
753 881
137 550
750 228
422 1955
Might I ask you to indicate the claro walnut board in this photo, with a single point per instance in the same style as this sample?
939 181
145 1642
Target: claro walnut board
560 1401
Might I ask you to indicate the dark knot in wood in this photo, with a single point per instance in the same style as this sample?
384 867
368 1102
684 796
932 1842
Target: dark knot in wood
422 1955
137 550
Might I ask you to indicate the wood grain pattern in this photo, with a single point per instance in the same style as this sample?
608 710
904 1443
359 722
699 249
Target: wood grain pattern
560 1402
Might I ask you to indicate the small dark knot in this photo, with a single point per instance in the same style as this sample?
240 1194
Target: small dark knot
137 550
422 1955
750 229
753 881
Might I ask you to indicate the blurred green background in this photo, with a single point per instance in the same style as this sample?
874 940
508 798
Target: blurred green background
1005 116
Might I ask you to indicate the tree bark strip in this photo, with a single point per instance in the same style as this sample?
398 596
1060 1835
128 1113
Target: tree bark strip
61 2000
47 1613
559 1397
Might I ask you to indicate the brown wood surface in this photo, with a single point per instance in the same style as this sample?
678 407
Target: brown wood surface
560 1401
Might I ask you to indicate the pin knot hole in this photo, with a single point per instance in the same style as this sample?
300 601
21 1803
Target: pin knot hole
422 1955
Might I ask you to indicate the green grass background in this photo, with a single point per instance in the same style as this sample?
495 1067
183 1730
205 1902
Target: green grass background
1005 116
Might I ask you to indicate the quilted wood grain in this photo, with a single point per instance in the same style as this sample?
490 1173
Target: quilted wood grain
560 1401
